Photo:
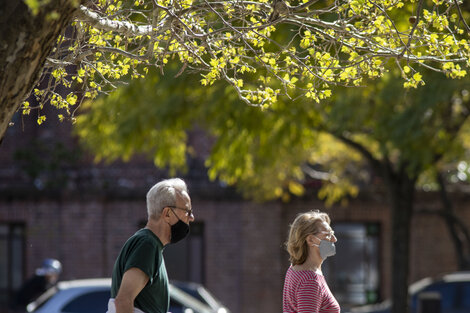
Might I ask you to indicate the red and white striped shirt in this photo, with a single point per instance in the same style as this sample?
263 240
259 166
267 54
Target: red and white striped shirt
307 292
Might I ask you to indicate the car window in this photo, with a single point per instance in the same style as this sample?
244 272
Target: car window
176 307
461 295
454 295
191 291
91 302
466 297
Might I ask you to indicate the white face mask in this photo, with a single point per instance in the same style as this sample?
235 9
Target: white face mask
327 248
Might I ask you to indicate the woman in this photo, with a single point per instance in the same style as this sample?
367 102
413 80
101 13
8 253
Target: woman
311 240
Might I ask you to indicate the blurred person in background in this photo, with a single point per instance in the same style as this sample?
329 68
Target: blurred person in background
310 241
44 278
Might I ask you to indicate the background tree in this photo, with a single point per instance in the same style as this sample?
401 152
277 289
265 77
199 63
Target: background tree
327 43
385 131
26 40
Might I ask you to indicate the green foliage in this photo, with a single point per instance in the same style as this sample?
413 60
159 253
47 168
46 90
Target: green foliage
38 6
413 128
296 69
304 50
268 153
139 119
261 152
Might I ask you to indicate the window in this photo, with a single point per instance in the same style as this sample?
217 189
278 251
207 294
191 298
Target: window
12 238
353 274
92 302
176 307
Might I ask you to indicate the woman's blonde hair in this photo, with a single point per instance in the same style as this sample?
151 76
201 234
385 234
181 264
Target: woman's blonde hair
304 224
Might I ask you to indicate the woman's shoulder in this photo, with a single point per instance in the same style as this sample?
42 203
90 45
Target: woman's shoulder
304 275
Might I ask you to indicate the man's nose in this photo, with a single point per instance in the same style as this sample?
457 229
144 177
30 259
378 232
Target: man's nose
191 218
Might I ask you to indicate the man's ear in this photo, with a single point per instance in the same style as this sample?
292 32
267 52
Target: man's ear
166 213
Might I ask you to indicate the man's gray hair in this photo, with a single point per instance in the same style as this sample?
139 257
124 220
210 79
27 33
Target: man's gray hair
164 194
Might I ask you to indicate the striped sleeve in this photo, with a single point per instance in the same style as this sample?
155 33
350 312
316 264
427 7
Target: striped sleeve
307 292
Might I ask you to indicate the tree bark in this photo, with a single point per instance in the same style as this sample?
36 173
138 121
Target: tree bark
25 42
401 195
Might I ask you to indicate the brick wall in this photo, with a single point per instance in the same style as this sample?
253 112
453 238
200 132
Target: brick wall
223 249
432 248
244 257
85 223
261 258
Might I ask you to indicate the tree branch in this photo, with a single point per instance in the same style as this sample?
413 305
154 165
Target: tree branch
461 15
122 27
415 25
376 164
319 175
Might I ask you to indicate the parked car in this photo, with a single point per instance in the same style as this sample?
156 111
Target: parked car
453 290
200 293
92 295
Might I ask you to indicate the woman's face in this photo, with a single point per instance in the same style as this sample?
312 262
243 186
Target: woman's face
326 233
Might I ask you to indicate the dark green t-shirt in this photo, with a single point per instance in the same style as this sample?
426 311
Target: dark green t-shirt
144 251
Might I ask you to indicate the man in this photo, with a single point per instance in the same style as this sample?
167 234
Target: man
45 277
140 281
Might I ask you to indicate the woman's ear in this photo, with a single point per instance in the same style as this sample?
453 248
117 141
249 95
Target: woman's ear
311 240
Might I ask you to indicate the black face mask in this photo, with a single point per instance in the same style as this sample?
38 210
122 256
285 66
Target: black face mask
179 231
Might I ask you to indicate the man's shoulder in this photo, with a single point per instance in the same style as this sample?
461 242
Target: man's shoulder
145 236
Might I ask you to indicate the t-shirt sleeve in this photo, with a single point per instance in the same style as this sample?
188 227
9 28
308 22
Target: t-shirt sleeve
143 256
309 297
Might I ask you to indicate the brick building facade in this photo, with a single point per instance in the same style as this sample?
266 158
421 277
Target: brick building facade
239 257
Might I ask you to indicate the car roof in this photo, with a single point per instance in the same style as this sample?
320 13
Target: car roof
457 276
90 282
448 278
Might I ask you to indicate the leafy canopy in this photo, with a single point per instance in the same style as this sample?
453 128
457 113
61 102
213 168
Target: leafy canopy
262 49
271 153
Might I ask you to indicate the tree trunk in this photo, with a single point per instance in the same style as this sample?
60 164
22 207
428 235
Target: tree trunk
25 42
401 195
457 228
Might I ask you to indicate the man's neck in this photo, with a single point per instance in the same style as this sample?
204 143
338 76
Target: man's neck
158 227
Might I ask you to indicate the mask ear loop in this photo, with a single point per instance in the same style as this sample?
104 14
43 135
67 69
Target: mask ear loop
175 215
317 245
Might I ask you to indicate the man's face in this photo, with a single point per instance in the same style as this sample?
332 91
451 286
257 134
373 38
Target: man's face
183 209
